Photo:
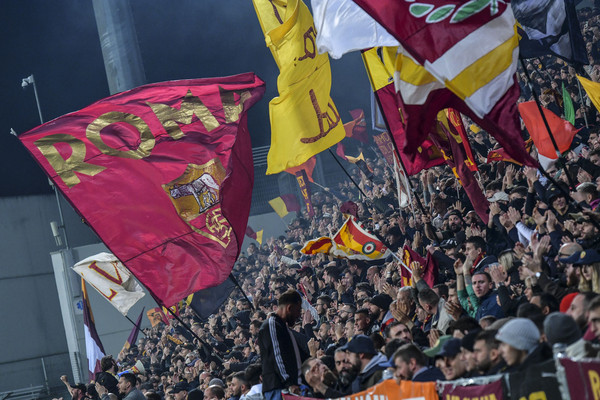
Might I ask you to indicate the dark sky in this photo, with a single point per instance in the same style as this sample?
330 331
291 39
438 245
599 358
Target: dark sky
57 41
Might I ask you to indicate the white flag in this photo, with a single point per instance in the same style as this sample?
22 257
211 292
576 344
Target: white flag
111 279
342 26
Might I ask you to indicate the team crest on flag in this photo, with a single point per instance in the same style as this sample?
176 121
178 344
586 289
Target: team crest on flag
195 194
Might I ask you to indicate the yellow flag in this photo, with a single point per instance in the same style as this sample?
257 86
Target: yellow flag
592 89
354 160
259 236
304 119
279 206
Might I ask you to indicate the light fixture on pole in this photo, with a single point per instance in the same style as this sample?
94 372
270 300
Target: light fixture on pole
31 81
53 225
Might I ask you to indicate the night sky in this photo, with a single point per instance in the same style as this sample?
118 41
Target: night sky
57 41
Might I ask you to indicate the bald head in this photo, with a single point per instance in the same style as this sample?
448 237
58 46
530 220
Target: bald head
568 249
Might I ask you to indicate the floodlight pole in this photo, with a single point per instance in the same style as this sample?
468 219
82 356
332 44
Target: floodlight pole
30 80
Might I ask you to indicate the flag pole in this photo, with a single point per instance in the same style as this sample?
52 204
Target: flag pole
347 174
387 126
236 283
581 103
136 325
191 331
539 107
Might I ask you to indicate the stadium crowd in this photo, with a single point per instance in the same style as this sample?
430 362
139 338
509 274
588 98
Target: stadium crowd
505 292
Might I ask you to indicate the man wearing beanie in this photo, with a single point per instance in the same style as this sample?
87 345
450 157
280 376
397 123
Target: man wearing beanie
562 328
379 308
520 344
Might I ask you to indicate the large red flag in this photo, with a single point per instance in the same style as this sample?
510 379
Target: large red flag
562 130
163 174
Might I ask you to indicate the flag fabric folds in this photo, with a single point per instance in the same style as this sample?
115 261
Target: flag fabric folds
379 63
255 235
357 128
308 167
163 173
156 316
93 346
319 245
592 89
562 130
285 204
550 27
448 139
501 155
354 242
568 108
111 279
304 119
342 27
472 69
205 302
429 265
134 333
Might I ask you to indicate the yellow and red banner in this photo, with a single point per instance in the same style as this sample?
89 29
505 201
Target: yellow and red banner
354 242
304 119
163 173
319 245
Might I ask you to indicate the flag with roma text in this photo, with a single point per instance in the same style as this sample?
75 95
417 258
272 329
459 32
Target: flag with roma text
163 173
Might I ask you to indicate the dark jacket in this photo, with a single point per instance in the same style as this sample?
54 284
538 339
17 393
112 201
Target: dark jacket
280 367
371 375
431 374
489 306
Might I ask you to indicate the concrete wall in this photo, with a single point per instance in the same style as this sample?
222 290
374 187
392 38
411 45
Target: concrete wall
32 327
32 333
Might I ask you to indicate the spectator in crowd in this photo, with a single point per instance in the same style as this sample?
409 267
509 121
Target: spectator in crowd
366 362
275 338
127 387
410 363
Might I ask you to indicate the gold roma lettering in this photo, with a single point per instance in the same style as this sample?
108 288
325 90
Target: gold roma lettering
326 122
169 117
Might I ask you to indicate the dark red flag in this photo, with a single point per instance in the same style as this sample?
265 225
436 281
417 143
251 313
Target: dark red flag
357 128
426 154
163 174
430 268
450 142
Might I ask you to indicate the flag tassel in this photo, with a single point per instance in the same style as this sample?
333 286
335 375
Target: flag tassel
539 107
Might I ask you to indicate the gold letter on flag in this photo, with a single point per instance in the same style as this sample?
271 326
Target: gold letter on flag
304 119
